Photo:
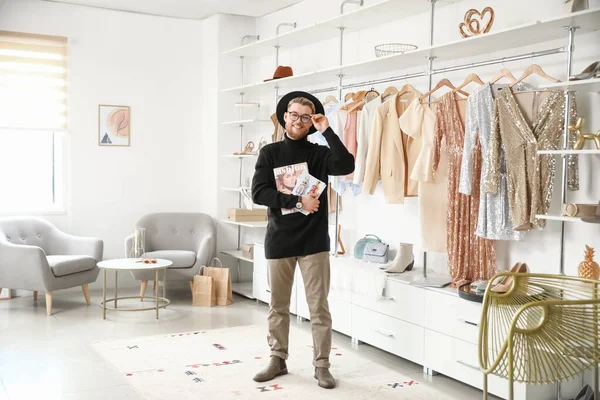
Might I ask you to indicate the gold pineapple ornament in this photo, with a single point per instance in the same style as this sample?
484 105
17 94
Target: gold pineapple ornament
588 268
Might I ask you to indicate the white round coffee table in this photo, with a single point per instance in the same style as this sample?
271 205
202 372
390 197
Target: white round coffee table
134 264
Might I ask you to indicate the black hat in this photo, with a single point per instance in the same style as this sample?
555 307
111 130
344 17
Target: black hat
282 106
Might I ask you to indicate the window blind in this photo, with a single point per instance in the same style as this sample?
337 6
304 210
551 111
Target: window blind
33 81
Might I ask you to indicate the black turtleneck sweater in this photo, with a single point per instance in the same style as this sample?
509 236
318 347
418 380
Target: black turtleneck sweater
295 235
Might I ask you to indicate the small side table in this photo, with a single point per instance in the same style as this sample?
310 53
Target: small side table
133 264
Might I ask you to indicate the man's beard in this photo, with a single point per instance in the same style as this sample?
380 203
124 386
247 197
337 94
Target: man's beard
296 133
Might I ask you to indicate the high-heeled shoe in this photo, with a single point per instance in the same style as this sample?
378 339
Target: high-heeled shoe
404 261
592 71
506 281
247 150
576 5
586 393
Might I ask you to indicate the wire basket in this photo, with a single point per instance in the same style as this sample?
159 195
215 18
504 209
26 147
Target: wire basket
388 49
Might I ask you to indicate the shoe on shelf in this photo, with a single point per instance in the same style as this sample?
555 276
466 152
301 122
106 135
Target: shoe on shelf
576 5
592 71
504 283
247 150
324 377
404 261
586 393
276 367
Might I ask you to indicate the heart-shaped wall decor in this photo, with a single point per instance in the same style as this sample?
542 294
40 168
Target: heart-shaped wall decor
476 23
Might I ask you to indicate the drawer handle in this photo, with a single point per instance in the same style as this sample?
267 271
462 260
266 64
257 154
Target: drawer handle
464 321
466 364
384 333
267 290
387 298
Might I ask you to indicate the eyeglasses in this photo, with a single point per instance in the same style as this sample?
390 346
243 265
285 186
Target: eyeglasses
294 116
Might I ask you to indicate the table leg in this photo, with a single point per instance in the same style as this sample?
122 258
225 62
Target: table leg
104 294
165 285
116 284
156 294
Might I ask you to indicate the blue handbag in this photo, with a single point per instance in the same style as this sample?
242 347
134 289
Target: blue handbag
373 244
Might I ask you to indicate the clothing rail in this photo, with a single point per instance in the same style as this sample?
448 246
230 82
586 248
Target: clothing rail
437 71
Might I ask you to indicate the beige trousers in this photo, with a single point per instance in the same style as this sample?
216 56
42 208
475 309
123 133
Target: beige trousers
316 274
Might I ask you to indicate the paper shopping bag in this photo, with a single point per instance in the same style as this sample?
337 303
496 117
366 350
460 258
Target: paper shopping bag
203 291
222 282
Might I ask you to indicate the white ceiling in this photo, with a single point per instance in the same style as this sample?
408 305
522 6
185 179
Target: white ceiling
188 9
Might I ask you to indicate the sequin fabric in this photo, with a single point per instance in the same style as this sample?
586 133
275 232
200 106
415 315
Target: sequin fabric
530 176
493 215
470 257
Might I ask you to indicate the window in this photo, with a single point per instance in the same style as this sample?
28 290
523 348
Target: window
33 120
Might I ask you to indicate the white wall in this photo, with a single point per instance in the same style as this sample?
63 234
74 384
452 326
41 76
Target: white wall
153 65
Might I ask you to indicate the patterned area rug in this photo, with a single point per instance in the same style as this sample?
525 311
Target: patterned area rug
220 364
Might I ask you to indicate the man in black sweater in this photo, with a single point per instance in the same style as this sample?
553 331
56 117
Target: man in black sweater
297 232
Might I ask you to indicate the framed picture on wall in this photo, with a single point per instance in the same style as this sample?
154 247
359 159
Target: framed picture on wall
114 123
5 294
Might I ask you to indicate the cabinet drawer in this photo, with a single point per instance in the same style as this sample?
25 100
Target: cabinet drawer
262 291
341 312
390 334
401 301
452 315
459 360
260 262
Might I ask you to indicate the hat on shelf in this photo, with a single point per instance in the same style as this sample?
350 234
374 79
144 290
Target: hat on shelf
596 219
282 106
281 72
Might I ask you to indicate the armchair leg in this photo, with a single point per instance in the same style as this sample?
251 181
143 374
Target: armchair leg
49 303
86 294
35 295
143 289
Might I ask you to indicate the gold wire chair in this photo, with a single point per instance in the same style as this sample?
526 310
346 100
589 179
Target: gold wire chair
543 330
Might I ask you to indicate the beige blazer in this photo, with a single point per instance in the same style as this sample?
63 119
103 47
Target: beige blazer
392 154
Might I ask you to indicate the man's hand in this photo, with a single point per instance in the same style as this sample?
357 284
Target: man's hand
320 122
310 203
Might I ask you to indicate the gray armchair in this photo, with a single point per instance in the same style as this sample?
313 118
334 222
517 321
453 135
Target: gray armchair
189 240
35 255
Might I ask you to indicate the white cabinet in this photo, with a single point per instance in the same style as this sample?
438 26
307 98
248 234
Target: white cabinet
447 313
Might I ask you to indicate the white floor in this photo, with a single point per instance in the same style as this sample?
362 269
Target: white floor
50 357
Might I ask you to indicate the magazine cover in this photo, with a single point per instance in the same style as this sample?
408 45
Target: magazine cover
286 179
295 179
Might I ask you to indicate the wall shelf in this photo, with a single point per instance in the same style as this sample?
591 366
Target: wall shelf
558 218
239 155
237 254
361 18
576 152
243 288
248 224
587 85
246 122
532 33
234 189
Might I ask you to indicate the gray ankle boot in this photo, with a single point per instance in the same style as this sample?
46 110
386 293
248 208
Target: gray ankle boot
275 368
324 377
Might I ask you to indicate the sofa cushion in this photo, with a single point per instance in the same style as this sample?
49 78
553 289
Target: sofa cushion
65 265
180 258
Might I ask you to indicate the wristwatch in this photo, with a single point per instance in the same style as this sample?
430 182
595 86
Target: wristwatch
299 203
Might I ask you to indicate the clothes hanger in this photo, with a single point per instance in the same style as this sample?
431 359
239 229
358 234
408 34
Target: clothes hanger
443 83
371 94
390 90
330 99
534 69
360 95
348 96
469 79
504 73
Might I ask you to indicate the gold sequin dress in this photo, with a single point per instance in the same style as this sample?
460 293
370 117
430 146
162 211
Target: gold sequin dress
470 257
530 175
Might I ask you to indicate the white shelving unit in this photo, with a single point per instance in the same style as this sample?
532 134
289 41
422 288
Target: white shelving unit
239 155
234 189
249 224
237 254
587 85
362 18
507 39
570 152
243 288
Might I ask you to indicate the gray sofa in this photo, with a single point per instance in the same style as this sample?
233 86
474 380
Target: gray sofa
35 255
189 240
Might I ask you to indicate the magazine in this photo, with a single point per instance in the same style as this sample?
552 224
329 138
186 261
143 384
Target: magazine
295 179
